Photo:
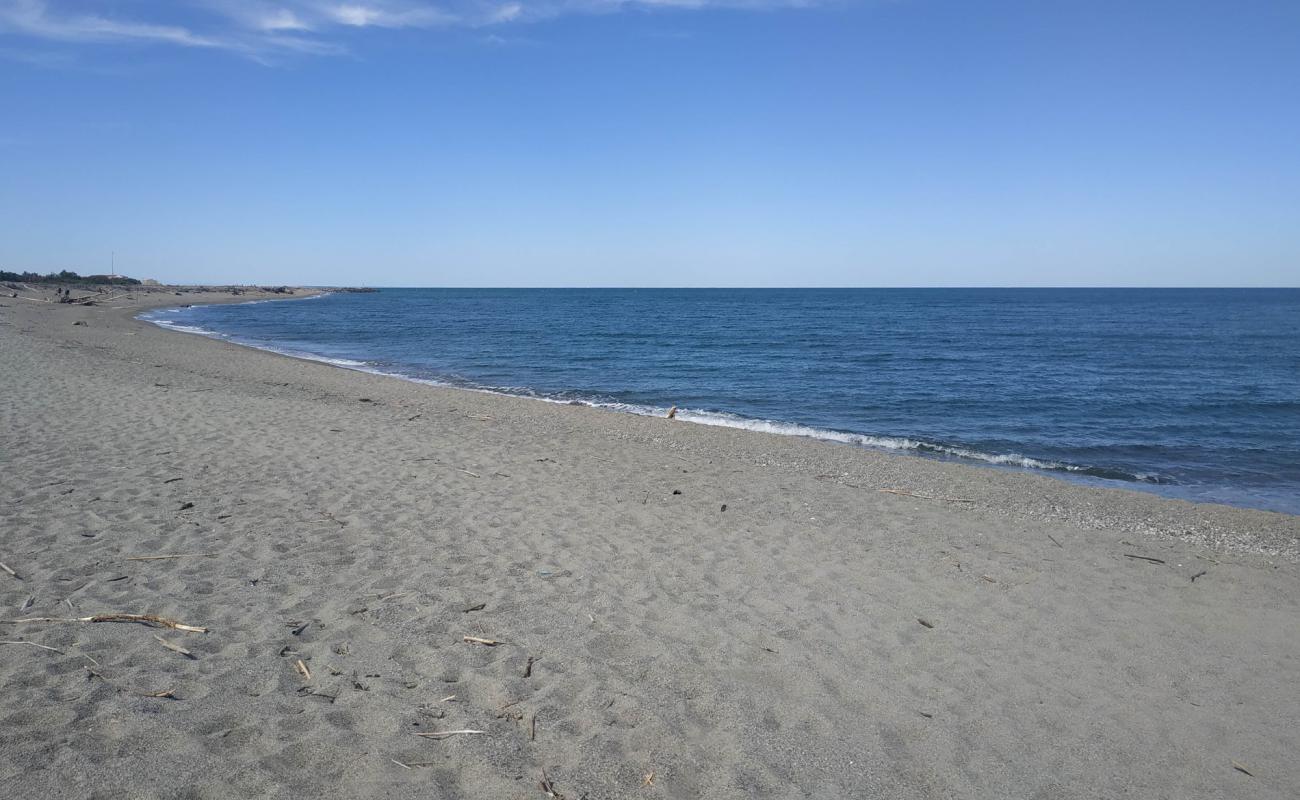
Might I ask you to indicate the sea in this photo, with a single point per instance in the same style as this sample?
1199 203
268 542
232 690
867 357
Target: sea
1188 393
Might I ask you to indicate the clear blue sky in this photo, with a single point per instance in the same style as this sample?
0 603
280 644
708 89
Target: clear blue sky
670 143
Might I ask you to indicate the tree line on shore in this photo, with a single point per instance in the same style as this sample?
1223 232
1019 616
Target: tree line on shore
67 276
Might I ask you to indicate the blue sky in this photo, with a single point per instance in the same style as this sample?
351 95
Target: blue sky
663 143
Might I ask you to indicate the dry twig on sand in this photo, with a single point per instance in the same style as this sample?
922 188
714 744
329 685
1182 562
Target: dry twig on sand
548 786
164 558
175 648
1144 558
165 693
34 644
302 669
478 640
145 619
905 493
9 569
446 734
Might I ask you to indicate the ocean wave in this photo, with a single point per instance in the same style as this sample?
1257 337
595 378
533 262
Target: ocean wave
895 443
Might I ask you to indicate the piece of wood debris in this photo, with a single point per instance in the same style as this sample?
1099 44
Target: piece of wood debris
175 648
34 644
989 578
1200 574
400 764
307 691
528 668
905 493
532 728
1144 558
165 693
164 558
447 734
927 623
302 669
1053 538
1238 766
478 607
471 474
448 699
648 779
548 786
10 570
145 619
482 641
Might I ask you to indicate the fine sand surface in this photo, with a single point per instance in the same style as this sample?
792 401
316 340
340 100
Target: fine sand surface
817 638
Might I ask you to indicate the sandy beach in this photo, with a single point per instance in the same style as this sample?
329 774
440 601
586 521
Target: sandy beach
414 591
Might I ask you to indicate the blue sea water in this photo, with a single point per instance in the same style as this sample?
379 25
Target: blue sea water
1187 392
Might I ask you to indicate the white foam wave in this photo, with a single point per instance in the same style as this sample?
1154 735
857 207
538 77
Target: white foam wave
176 326
825 434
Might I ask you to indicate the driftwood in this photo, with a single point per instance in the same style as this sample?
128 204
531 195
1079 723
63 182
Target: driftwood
446 734
905 493
144 619
548 786
175 648
9 569
484 642
164 558
1144 558
302 669
34 644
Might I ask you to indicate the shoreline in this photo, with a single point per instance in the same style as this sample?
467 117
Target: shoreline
956 454
1180 521
671 610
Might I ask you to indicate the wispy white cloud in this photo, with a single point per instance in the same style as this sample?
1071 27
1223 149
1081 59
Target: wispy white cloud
33 18
268 30
373 15
281 19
